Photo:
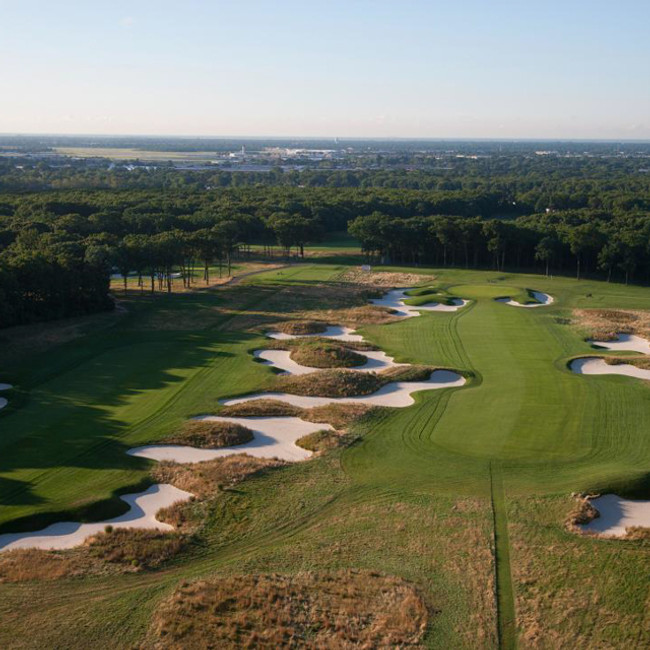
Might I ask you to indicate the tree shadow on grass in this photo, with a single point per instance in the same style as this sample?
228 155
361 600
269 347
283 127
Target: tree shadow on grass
69 422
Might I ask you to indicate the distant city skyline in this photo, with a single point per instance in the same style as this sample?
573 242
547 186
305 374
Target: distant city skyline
572 70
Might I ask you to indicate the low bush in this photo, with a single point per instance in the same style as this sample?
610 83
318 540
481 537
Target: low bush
330 383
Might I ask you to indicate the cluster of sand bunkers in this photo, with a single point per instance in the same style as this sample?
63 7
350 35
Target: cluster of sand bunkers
275 437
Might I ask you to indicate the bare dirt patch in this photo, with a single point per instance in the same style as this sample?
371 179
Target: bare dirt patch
344 609
207 434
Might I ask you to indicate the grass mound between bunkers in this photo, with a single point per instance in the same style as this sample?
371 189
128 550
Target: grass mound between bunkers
347 383
208 434
327 355
344 609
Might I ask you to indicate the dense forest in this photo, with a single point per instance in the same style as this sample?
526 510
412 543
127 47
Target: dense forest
64 229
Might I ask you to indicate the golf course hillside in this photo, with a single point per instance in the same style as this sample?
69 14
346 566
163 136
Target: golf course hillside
465 448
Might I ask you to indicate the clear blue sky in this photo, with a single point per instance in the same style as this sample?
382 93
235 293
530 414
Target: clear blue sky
383 68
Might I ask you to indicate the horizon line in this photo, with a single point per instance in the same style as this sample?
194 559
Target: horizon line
331 137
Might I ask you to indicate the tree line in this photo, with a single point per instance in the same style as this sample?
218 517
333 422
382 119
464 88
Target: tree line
59 248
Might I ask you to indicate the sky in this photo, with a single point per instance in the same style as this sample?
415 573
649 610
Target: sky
575 69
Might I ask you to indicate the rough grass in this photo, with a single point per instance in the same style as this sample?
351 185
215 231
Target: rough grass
25 565
606 324
575 591
340 416
207 478
261 408
139 549
348 383
582 513
300 327
121 550
344 609
383 279
327 355
319 441
639 362
209 434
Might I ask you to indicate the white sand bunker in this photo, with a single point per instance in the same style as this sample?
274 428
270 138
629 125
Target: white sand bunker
396 394
273 438
617 514
543 298
332 332
143 507
625 342
3 400
598 366
281 359
395 300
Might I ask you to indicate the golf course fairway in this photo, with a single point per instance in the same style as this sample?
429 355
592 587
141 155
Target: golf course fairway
465 493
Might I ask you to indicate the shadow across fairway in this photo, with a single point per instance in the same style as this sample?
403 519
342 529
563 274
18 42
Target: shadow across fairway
80 420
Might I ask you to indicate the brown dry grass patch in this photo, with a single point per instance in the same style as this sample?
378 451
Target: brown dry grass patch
348 383
344 609
340 416
261 408
320 441
384 280
606 324
207 478
24 565
301 327
140 549
327 355
582 513
208 434
639 362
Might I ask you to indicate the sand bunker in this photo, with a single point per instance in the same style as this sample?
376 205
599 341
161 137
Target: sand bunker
143 507
625 342
3 400
274 438
281 359
332 332
598 366
395 300
544 300
396 394
617 514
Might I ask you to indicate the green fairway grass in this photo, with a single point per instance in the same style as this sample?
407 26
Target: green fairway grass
464 493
